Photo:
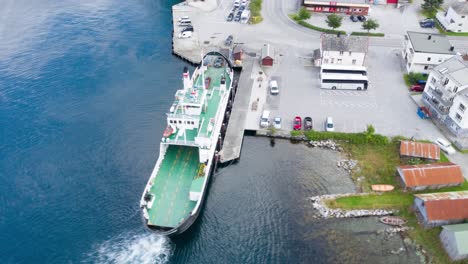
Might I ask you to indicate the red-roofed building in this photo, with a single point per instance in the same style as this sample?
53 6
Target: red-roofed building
437 209
433 176
412 149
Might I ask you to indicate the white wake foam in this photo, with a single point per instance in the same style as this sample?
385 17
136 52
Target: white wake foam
142 248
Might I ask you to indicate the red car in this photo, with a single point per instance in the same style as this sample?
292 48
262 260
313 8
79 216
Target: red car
417 88
297 124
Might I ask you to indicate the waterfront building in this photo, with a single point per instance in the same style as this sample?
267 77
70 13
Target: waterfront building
432 176
436 209
341 50
267 55
455 18
446 97
426 151
454 238
424 51
355 7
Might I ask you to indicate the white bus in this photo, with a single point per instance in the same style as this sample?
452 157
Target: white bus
344 81
343 69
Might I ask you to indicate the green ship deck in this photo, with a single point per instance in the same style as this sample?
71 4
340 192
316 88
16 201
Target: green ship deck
172 186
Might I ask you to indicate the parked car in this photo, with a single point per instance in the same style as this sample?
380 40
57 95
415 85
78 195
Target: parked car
354 18
277 122
228 40
427 23
417 88
189 28
421 82
185 34
265 119
445 146
329 126
308 123
241 8
230 17
184 18
236 3
238 16
218 62
243 3
274 90
362 18
297 123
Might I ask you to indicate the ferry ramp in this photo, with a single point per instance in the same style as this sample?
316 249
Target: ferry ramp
235 129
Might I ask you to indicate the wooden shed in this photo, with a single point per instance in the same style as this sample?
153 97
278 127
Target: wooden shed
433 176
237 53
267 55
436 209
426 151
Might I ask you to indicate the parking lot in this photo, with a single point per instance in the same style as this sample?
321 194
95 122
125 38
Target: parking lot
386 104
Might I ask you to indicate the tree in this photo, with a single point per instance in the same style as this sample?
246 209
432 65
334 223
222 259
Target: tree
303 14
431 5
334 21
370 24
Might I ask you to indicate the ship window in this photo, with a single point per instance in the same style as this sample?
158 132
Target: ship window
180 121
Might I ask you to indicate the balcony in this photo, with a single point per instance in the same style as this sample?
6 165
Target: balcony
434 103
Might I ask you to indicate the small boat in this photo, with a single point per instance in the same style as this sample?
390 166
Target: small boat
382 187
168 131
392 220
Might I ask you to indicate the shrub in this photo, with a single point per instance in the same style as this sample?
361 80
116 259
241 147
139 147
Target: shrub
368 34
303 14
355 138
324 30
414 77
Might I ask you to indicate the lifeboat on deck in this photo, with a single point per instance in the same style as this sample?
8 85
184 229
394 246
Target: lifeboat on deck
168 131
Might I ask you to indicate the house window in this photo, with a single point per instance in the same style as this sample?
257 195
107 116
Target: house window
332 60
341 53
440 60
339 61
463 16
458 117
455 89
433 80
446 81
354 61
325 61
425 67
460 25
350 53
428 58
462 108
451 99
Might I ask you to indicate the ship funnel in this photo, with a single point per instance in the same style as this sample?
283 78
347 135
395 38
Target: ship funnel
187 79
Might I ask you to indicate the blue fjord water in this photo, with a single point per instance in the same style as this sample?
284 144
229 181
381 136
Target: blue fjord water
84 87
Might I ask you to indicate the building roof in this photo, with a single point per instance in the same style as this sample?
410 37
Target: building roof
431 174
461 8
456 68
419 150
332 42
463 94
430 43
267 51
445 206
460 233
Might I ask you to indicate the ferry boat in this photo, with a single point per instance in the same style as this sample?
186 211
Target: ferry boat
175 191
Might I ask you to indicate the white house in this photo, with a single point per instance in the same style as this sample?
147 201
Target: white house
454 238
455 19
424 51
339 49
457 120
445 94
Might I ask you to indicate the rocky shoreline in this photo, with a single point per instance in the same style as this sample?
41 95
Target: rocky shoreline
318 202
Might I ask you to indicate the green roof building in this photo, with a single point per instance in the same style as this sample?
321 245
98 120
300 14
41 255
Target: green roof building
455 240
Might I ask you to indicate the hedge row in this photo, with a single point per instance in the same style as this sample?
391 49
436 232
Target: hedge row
355 138
367 34
324 30
255 8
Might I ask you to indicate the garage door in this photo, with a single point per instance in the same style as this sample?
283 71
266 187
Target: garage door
392 1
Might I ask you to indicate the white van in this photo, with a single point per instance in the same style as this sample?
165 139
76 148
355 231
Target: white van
236 3
185 34
274 90
265 119
329 126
